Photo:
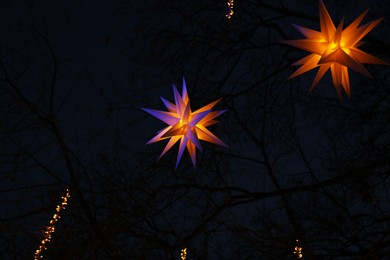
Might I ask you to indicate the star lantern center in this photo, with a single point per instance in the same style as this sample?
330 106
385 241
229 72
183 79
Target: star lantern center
184 125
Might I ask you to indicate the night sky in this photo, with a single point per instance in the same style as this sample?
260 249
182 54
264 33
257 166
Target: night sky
75 75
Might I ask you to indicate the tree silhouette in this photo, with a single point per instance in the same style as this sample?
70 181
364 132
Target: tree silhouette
301 167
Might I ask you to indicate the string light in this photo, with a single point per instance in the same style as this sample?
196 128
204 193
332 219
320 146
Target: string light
298 251
230 4
47 231
183 254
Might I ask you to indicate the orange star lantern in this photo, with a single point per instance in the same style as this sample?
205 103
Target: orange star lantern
334 48
184 125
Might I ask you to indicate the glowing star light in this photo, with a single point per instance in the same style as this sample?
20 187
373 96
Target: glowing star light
184 125
334 48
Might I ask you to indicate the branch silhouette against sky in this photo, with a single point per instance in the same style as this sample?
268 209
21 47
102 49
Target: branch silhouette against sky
74 77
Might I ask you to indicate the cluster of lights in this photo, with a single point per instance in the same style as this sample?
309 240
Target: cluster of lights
298 251
230 4
183 254
50 229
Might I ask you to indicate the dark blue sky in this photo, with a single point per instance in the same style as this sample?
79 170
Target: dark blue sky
296 164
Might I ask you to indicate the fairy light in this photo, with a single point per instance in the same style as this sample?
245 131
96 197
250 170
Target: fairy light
47 231
183 254
298 251
230 4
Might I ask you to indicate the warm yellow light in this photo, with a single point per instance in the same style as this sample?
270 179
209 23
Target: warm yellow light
335 49
50 229
298 251
230 5
183 254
